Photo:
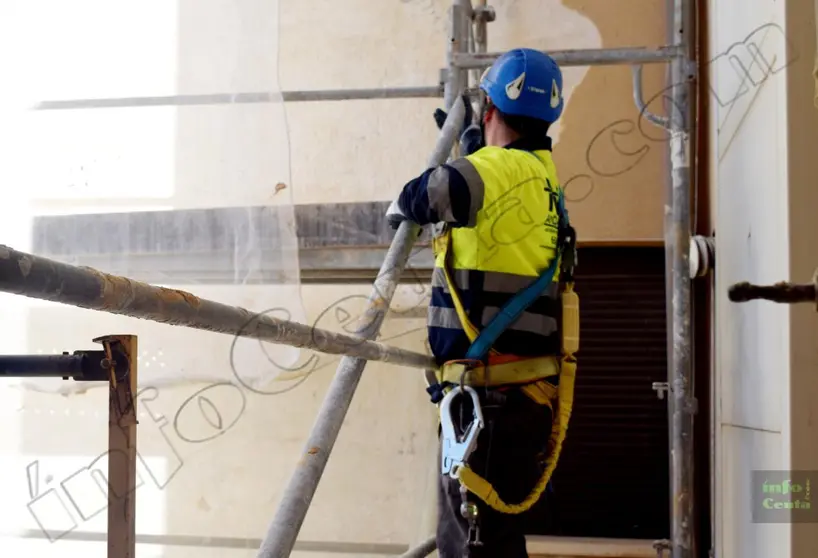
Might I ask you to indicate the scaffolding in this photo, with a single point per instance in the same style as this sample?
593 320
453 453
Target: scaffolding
31 276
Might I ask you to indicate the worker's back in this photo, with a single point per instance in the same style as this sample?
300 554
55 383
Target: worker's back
513 240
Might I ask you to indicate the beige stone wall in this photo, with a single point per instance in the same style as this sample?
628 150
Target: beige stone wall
610 159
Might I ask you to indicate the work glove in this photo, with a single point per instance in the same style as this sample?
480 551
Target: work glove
440 115
471 134
471 140
394 215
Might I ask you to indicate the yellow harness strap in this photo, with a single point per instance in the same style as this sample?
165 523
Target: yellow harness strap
528 373
517 371
531 373
443 244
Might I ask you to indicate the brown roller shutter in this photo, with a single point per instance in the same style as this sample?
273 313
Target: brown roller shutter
612 479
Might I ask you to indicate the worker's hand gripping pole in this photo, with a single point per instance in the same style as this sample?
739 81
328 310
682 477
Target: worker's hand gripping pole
455 450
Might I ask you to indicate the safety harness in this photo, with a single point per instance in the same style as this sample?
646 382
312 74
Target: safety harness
484 366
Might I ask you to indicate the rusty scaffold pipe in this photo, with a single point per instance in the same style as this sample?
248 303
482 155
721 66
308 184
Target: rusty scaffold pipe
782 292
35 277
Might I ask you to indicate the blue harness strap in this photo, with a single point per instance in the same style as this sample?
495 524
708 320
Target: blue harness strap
514 307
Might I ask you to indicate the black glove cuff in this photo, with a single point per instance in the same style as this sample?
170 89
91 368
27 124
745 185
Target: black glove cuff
440 118
471 140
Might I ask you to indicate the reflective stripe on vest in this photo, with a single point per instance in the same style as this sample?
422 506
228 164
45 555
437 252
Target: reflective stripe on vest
512 241
496 282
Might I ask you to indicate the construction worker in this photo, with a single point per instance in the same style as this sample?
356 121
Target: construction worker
504 228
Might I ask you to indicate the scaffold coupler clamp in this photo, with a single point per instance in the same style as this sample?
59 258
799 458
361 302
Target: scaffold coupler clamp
456 451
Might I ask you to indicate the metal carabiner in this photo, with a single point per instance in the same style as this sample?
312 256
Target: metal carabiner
455 451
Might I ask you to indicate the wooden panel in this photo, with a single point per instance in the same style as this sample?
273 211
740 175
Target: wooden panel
568 547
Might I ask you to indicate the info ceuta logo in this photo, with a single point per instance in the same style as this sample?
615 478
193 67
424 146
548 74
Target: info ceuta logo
774 502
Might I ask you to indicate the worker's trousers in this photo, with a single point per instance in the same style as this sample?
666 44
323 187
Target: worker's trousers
510 454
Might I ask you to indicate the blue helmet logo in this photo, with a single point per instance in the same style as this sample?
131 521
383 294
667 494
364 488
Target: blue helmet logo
515 87
525 82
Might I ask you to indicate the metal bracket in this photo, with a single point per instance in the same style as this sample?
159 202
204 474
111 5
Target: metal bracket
484 13
661 546
702 256
117 358
689 405
691 68
94 367
661 388
661 121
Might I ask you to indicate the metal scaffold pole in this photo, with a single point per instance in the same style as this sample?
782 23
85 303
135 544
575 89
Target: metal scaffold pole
245 98
462 60
682 403
581 57
36 277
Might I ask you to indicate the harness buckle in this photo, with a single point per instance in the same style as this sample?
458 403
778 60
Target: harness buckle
455 451
569 251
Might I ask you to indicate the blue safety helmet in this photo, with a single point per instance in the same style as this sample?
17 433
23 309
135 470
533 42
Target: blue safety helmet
525 82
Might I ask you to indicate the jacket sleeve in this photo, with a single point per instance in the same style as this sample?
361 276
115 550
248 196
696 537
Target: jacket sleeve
452 193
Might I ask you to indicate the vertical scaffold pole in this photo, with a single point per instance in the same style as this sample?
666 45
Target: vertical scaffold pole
459 26
482 16
682 404
120 362
283 531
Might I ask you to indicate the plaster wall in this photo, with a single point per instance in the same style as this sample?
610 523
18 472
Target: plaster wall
764 132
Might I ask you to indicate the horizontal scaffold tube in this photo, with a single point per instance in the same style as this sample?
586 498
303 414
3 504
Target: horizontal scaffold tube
40 366
305 96
581 57
36 277
422 550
